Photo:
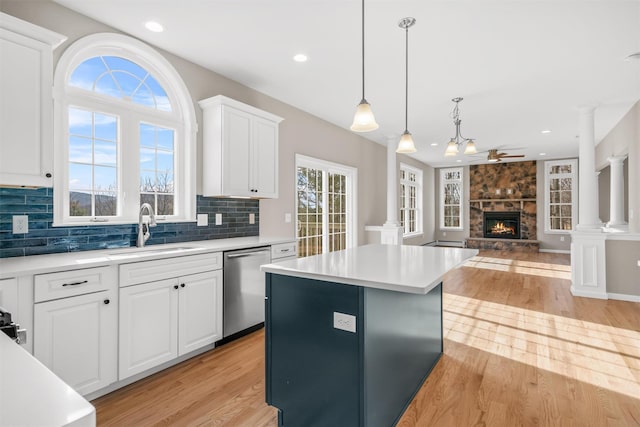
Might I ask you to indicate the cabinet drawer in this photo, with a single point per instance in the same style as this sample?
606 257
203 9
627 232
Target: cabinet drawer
282 250
75 282
149 271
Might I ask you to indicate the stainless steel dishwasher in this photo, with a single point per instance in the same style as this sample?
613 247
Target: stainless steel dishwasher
244 289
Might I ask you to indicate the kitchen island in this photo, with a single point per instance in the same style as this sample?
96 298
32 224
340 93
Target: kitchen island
352 335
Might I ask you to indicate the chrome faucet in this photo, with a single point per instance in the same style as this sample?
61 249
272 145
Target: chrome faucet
143 227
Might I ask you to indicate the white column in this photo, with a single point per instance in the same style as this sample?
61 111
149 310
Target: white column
392 184
616 192
391 232
587 180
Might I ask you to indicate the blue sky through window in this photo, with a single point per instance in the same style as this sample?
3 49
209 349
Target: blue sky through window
122 79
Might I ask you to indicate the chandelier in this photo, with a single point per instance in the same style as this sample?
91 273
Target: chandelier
453 147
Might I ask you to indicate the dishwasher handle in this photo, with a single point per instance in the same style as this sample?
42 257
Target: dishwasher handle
246 254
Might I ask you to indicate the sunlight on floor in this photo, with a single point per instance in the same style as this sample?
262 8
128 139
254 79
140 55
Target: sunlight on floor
602 355
557 271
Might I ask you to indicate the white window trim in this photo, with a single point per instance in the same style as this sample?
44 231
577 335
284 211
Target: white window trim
547 191
352 203
419 207
441 191
168 77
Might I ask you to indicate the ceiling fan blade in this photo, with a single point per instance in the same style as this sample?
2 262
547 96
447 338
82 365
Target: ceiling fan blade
506 156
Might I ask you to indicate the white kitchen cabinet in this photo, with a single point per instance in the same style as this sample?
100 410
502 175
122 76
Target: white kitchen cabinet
26 103
164 319
240 149
9 296
77 339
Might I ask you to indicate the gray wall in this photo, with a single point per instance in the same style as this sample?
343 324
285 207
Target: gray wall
623 272
300 132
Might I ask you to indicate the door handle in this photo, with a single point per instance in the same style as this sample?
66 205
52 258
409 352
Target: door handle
247 254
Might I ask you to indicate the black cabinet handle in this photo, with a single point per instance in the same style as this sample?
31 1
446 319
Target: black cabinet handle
48 175
175 286
182 285
107 301
75 283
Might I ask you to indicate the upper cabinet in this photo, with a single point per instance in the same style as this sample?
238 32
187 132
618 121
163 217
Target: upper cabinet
26 103
240 149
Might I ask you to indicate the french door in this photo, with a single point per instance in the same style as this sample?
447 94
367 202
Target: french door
326 206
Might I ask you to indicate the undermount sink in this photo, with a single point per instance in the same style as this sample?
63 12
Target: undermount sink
132 252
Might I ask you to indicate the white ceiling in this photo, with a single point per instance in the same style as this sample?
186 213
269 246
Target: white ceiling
522 66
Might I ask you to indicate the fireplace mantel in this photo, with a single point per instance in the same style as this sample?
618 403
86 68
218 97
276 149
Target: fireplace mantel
483 201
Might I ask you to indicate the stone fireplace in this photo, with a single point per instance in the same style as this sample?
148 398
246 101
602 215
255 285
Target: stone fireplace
502 206
501 225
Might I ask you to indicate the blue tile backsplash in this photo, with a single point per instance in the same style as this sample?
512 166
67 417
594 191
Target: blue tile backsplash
43 238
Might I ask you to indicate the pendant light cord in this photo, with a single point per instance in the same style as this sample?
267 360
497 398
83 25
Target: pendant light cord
406 80
363 50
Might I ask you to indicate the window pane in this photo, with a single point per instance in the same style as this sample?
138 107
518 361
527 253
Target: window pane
566 224
86 73
105 153
80 177
79 204
105 127
106 203
565 211
165 205
144 97
565 196
104 178
80 150
80 122
107 86
147 181
147 198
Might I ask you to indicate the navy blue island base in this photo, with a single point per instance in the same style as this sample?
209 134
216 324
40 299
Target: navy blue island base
319 375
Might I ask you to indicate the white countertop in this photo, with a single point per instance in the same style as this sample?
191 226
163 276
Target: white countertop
32 395
402 268
34 264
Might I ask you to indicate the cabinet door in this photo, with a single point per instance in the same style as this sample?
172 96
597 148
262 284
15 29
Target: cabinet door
264 158
77 339
236 141
26 106
148 326
9 297
200 312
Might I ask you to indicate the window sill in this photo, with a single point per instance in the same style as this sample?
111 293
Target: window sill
557 231
121 222
412 235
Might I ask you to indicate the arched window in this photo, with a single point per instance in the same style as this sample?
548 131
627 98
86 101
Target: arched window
125 136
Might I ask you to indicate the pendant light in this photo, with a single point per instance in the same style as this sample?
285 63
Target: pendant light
363 121
456 141
406 144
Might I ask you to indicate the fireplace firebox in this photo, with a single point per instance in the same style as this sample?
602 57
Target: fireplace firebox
501 225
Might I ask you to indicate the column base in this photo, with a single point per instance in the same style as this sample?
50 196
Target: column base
619 227
391 234
589 227
588 264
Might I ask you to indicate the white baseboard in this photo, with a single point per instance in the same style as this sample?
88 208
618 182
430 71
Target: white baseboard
452 243
555 251
624 297
588 294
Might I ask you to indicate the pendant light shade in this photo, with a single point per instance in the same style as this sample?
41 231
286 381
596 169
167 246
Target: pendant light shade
363 121
406 145
452 148
471 147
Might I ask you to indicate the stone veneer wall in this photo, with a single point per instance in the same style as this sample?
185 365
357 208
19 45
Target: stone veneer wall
518 178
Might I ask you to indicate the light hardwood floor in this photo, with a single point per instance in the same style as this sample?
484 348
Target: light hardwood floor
518 350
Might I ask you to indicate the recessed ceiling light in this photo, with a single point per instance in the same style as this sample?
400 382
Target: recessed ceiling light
154 26
434 144
301 57
634 57
543 154
458 161
546 131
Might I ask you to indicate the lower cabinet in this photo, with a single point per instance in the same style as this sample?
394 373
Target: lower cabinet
76 338
164 319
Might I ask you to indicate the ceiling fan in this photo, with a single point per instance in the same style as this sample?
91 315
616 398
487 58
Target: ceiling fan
495 157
